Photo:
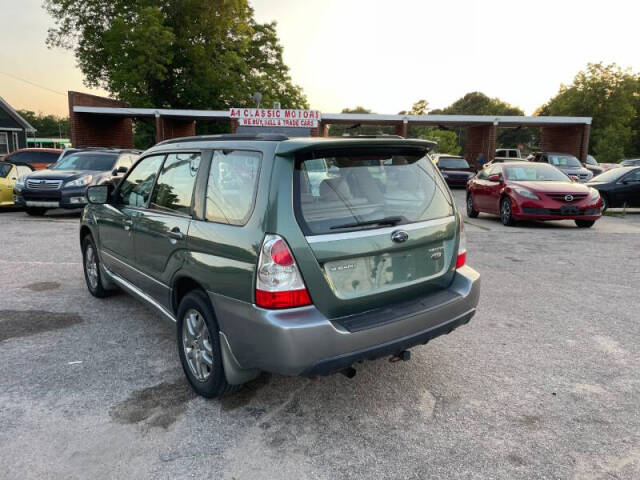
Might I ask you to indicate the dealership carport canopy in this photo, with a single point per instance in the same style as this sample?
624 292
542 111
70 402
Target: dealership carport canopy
98 121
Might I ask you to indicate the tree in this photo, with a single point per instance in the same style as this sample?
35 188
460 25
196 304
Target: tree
340 130
477 103
175 53
612 142
47 125
447 140
421 107
611 96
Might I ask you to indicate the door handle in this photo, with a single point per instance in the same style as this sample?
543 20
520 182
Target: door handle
127 224
175 234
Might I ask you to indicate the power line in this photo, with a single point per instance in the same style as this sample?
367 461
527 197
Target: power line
31 83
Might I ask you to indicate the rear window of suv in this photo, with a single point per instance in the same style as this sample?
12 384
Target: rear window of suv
452 162
22 158
359 190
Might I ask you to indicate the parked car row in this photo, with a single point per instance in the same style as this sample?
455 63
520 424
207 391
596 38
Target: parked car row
544 186
299 256
63 184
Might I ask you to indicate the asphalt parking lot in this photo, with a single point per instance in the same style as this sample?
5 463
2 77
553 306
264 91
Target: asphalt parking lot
543 383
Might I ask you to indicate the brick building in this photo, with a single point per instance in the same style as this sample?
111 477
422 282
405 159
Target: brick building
98 121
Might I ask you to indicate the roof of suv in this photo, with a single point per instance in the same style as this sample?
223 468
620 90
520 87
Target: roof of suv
286 145
553 153
102 149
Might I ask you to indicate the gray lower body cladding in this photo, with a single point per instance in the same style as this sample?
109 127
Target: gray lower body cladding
303 341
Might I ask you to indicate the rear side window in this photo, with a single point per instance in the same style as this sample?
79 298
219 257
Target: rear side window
174 189
232 186
135 189
362 191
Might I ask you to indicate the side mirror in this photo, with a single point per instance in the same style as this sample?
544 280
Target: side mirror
494 178
98 194
573 178
120 169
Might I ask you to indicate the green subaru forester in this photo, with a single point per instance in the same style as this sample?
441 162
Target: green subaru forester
294 256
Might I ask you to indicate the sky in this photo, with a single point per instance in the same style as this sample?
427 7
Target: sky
383 55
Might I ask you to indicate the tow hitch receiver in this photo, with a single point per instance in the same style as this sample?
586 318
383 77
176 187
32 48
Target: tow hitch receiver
405 355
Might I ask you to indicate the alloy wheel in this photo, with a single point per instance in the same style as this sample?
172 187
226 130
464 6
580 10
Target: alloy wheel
196 341
91 266
505 211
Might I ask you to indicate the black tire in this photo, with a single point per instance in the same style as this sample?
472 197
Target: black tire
96 288
36 212
471 212
585 223
215 384
506 214
605 202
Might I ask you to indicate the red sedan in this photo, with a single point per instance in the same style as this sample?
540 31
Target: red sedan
531 191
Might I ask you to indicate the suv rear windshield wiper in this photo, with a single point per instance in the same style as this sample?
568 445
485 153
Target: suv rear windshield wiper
380 221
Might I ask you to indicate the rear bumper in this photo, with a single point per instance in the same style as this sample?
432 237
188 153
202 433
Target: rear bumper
303 341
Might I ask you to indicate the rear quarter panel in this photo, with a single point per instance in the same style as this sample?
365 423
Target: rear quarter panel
223 258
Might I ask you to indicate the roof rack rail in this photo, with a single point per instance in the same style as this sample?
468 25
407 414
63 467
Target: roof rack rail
380 135
80 147
266 137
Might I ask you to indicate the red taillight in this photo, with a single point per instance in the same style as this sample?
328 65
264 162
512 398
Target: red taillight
279 283
286 299
461 260
280 254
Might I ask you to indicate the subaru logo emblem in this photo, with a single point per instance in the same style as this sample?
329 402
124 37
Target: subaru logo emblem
399 236
568 198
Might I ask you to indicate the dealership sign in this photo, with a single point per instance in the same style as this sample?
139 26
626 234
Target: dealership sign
271 117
